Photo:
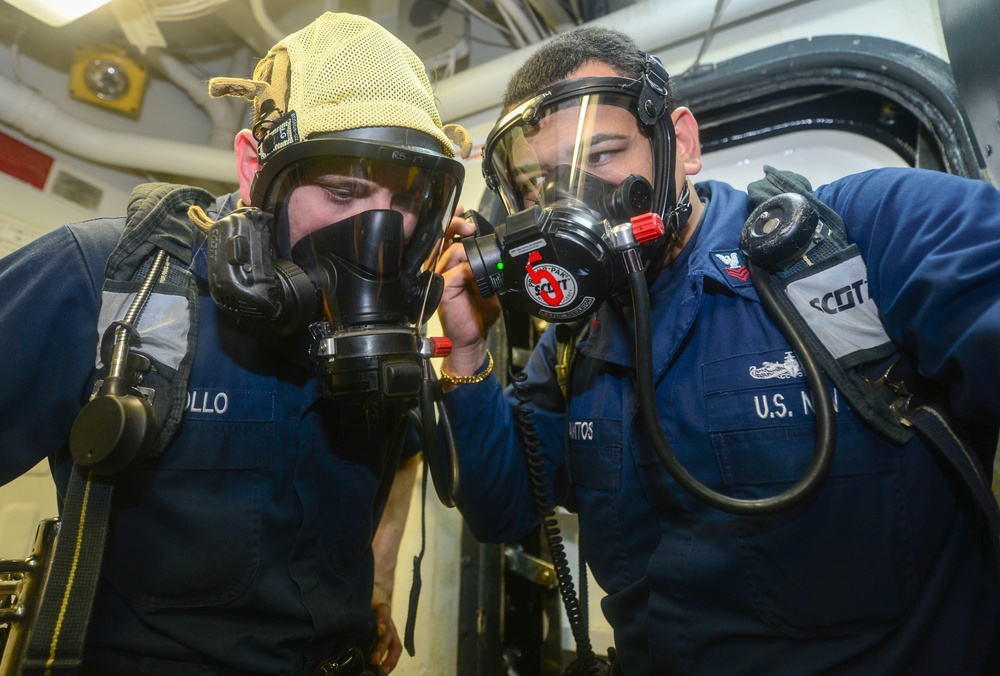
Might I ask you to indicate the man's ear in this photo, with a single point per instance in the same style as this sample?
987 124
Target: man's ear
247 162
686 138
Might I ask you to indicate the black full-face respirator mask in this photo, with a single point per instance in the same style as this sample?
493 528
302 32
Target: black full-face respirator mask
360 287
575 223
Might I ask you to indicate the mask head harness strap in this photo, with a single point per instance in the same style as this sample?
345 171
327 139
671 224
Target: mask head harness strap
653 97
651 109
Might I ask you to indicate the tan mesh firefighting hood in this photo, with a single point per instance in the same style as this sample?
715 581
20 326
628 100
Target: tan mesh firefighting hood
338 73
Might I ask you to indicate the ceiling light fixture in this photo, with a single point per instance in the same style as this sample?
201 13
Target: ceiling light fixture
109 76
57 13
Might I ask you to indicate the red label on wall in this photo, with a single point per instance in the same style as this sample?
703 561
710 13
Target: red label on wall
24 162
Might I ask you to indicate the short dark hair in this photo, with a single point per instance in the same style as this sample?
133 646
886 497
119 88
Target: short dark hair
569 51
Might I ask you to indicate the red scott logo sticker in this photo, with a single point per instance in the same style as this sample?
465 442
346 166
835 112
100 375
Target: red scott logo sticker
548 285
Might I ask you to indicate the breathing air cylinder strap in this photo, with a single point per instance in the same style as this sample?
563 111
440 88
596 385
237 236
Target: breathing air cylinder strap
55 642
156 221
879 383
828 265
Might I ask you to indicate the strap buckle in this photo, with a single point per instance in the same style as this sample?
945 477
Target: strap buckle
351 662
901 409
653 96
895 378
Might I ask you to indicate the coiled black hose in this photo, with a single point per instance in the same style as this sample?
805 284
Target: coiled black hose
826 431
586 663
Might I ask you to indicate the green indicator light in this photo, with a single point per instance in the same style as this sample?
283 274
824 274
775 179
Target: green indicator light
500 265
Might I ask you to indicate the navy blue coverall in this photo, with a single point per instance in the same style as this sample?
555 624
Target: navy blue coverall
885 572
246 547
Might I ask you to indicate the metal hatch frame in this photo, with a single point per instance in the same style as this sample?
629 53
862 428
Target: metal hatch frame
891 92
969 28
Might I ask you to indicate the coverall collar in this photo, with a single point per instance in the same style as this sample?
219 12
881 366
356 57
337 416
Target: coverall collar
675 295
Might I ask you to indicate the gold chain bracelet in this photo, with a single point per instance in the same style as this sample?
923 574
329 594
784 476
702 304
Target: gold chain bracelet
469 380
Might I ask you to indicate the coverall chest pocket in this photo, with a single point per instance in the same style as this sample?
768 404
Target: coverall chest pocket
193 517
840 564
595 464
594 432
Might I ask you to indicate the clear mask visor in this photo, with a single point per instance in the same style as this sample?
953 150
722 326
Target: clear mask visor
592 134
376 219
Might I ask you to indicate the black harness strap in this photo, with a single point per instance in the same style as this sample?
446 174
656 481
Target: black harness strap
411 613
55 644
918 406
157 221
880 384
936 429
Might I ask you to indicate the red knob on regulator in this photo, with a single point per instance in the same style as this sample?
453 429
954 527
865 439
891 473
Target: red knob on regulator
442 346
647 227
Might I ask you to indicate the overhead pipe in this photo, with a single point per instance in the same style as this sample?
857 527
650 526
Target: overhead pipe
265 22
224 115
38 118
653 24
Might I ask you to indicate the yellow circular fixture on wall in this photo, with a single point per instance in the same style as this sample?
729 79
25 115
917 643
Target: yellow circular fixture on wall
107 75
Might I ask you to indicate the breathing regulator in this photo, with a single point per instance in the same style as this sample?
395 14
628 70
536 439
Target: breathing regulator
560 262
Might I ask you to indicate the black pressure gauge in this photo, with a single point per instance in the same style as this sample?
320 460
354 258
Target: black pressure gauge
780 231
